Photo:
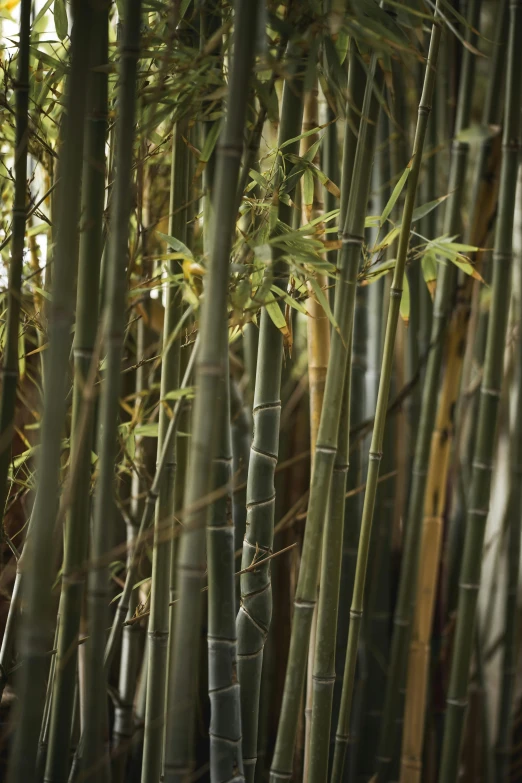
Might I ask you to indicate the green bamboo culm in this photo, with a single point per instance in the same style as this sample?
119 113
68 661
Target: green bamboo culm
253 620
488 409
226 761
158 630
95 758
210 368
36 629
504 743
444 296
327 438
77 521
9 370
375 453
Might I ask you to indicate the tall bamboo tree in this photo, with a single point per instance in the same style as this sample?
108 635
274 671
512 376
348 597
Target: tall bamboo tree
375 453
483 209
255 611
210 367
488 409
95 761
327 438
444 296
9 370
35 635
77 523
161 563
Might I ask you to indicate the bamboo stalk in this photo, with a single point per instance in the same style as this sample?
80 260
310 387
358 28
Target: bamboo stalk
483 208
375 453
255 610
158 631
94 759
207 411
444 294
35 635
326 448
9 370
318 346
77 522
488 409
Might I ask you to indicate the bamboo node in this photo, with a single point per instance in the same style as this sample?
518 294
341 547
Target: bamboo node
280 775
326 449
470 586
376 456
460 703
479 512
351 239
482 465
490 392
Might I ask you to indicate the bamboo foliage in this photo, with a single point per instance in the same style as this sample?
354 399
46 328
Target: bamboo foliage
488 409
210 367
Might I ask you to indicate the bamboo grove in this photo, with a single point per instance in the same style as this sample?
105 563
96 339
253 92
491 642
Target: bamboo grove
260 391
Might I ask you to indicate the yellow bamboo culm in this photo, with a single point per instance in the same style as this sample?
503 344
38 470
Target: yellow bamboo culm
318 340
435 499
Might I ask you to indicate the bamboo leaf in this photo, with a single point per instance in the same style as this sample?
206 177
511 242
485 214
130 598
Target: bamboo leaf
308 192
429 271
61 22
208 147
405 301
178 394
304 135
295 303
323 301
397 190
175 244
274 311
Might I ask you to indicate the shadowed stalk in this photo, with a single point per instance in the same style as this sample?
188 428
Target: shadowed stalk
158 631
488 410
483 209
504 742
77 522
9 371
207 409
225 724
95 759
35 635
446 282
253 619
327 438
375 453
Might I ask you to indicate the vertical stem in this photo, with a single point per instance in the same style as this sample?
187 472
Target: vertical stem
488 410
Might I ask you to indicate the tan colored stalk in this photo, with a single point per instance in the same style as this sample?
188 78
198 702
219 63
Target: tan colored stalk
435 499
318 342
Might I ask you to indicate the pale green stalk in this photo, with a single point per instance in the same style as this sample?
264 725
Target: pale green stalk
94 758
35 636
207 410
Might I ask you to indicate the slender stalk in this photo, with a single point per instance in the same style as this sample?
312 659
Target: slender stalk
327 439
483 209
444 295
161 557
375 453
35 634
94 760
253 620
318 346
9 370
77 523
210 368
488 409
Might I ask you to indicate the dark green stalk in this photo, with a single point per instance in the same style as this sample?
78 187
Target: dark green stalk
375 453
503 748
488 409
327 438
253 620
207 410
162 546
241 440
77 522
94 760
226 761
444 295
37 623
9 371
